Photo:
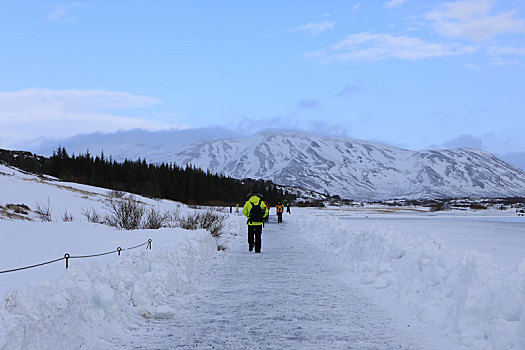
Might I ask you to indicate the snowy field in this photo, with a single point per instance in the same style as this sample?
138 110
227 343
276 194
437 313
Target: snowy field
462 272
366 278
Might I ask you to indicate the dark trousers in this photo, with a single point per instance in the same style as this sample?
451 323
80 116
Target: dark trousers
279 217
254 237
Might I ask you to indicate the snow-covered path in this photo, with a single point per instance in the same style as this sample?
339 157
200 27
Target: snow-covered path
291 296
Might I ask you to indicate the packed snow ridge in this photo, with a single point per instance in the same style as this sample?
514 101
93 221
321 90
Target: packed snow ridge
357 169
49 307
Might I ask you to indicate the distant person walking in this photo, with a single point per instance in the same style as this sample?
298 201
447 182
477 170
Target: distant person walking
288 209
256 211
280 211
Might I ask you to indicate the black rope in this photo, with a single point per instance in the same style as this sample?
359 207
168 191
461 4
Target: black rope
140 245
67 257
91 255
30 267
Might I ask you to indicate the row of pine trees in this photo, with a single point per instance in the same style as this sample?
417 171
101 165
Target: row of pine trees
187 184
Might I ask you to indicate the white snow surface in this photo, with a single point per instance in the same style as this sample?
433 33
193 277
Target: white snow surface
461 274
291 296
49 307
93 300
352 278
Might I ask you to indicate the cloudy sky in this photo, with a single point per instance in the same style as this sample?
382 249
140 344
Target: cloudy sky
415 74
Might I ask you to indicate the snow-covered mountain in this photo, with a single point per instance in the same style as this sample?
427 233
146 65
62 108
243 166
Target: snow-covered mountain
358 169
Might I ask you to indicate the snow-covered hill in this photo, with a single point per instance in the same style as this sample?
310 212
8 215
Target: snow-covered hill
358 169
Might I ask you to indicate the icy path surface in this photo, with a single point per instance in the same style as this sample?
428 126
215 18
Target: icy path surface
291 296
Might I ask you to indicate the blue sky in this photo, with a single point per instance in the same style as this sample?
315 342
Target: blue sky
414 74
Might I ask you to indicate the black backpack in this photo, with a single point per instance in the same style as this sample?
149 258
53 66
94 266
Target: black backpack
256 213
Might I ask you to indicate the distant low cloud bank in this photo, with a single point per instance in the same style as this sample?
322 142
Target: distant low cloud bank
43 113
465 141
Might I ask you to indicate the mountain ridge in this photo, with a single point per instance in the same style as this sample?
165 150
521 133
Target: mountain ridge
358 169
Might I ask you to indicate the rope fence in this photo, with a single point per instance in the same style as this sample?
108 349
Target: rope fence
67 257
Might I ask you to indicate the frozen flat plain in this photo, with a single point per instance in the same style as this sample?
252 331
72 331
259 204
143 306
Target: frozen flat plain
499 234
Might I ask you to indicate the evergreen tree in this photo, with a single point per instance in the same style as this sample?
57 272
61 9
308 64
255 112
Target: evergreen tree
187 184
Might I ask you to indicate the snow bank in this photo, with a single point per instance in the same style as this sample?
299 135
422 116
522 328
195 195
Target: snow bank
482 304
52 308
95 295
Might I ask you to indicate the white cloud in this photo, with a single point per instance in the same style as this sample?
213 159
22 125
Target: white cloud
33 113
501 50
64 12
498 62
500 138
356 7
472 66
499 55
473 20
470 20
465 141
375 47
316 28
461 10
394 3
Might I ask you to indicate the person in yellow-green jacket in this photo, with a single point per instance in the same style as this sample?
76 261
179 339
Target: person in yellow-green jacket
255 210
